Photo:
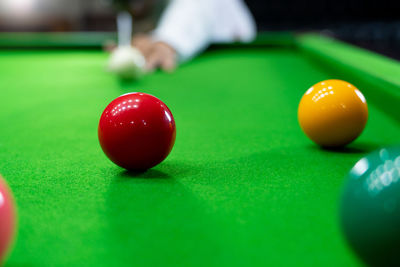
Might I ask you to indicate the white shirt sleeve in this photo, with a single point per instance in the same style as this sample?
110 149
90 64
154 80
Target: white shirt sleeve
190 26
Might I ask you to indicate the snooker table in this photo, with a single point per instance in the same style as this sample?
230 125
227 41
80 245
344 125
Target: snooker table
242 186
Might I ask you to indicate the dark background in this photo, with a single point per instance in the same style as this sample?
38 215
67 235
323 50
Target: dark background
371 24
374 25
314 14
99 15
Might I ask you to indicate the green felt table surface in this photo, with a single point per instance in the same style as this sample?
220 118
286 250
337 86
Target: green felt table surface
242 186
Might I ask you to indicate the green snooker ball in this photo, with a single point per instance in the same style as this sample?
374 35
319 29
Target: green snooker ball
370 208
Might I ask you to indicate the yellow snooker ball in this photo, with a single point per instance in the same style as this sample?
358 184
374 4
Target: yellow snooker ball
333 113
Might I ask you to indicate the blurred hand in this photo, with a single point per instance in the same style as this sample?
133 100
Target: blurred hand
157 54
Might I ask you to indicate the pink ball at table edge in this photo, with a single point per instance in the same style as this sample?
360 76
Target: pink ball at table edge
7 220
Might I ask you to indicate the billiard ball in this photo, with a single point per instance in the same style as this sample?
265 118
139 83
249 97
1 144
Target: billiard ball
137 131
333 113
7 220
127 62
370 208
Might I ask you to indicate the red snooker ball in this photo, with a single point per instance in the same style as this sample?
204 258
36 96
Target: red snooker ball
7 220
137 131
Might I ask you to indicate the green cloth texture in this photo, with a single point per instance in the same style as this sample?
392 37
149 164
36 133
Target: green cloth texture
243 185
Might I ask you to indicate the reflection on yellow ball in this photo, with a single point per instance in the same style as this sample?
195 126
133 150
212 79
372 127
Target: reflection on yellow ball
333 113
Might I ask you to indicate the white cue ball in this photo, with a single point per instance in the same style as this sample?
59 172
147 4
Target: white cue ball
127 62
